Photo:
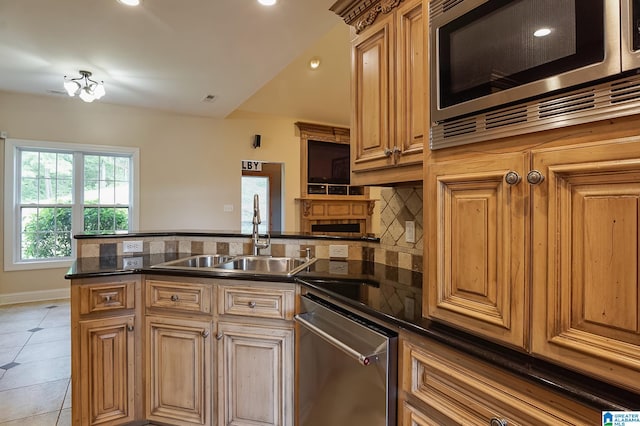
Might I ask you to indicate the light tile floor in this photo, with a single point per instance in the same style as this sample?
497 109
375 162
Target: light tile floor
35 364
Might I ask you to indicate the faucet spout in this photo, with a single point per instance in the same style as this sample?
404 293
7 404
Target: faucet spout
258 244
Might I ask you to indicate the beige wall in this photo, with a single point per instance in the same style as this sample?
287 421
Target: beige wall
189 166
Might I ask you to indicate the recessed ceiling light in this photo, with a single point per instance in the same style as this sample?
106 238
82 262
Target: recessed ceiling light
267 2
314 63
130 2
542 32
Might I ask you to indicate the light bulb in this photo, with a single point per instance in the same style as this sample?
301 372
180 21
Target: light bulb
130 2
86 95
98 90
71 86
542 32
267 2
314 63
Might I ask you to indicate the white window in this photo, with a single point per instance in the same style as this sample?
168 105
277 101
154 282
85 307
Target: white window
55 190
252 185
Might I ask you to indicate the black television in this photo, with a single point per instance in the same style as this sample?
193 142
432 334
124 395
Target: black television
328 162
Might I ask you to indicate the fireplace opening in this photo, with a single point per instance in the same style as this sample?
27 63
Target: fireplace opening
343 228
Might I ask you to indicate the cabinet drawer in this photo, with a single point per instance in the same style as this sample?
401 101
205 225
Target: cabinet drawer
107 297
274 303
182 296
467 391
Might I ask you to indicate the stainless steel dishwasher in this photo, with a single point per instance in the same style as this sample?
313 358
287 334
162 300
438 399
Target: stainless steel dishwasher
346 367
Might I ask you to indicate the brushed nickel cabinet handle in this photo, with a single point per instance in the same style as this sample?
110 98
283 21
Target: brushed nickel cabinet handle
387 152
252 304
174 298
205 333
535 177
219 336
129 327
512 178
498 422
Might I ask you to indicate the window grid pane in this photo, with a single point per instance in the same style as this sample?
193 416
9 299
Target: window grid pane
46 198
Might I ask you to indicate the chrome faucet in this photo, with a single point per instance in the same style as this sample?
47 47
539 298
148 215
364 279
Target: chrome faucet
258 244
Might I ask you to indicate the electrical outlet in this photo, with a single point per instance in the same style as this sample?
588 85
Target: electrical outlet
132 262
132 246
410 231
228 208
338 251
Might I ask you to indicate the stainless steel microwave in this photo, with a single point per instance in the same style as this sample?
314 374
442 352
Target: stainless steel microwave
490 53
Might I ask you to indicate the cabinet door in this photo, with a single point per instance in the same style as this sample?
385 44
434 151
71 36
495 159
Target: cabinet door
476 250
373 105
255 370
412 78
586 292
178 359
107 370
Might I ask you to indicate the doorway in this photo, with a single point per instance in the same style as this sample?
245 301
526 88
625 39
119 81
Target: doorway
264 179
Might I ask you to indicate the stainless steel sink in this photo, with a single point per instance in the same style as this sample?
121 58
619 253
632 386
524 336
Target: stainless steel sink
227 265
266 265
201 261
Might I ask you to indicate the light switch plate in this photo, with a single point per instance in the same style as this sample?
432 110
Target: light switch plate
410 231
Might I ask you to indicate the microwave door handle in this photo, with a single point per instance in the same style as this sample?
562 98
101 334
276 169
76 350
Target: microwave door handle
361 358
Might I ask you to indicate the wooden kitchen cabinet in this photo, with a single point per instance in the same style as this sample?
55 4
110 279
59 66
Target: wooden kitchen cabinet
178 357
548 263
442 386
178 350
255 353
476 269
105 366
389 87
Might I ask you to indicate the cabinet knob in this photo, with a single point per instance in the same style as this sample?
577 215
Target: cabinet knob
387 152
252 304
205 333
535 177
397 150
129 327
512 178
219 336
498 422
174 298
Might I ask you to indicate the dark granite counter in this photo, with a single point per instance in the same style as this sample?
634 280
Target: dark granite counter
222 234
394 296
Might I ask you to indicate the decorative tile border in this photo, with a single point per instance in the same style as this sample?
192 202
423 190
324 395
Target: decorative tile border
397 206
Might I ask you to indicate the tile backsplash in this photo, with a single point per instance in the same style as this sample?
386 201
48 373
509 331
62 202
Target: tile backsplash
397 205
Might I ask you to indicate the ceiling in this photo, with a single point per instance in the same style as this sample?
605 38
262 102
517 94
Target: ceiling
170 54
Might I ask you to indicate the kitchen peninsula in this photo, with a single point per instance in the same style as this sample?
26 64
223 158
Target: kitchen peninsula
172 346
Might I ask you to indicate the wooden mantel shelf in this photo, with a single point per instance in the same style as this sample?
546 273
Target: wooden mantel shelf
356 212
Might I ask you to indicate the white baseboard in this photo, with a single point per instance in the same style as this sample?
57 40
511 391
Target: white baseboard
33 296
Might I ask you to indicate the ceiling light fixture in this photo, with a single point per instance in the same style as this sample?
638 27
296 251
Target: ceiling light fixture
314 63
542 32
87 89
267 2
129 2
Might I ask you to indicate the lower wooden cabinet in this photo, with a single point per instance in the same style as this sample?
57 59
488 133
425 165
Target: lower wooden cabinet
105 351
107 360
178 370
442 386
255 370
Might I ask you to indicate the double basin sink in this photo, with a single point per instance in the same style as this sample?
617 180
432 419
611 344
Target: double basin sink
222 264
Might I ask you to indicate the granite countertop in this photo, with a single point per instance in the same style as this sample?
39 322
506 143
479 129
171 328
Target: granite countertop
222 233
394 296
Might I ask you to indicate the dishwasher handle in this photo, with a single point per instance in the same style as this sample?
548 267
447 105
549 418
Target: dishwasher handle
361 358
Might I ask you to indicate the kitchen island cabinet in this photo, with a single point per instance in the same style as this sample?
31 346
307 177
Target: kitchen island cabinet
389 86
106 375
533 243
255 353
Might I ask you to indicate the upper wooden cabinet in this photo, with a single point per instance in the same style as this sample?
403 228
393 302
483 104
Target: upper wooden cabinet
533 242
389 90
